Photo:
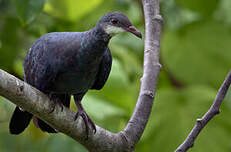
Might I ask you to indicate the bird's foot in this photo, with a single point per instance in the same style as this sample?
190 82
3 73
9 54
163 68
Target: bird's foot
53 105
87 121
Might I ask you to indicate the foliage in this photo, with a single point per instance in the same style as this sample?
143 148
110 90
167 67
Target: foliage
195 54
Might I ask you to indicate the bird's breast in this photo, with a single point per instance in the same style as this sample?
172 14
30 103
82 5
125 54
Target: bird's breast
76 80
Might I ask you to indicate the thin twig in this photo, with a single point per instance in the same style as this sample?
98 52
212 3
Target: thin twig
201 123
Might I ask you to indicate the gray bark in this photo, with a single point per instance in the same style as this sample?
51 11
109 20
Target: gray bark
153 22
201 123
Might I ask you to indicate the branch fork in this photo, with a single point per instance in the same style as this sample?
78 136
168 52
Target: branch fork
37 103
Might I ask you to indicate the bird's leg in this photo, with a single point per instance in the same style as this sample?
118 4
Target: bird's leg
87 120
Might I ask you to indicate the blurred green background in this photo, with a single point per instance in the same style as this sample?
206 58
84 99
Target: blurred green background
195 54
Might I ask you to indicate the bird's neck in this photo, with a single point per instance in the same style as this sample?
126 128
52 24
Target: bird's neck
96 41
99 35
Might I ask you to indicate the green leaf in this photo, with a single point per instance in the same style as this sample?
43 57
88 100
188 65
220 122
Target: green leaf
9 43
198 54
95 105
111 117
18 67
174 115
128 59
204 7
64 143
70 10
27 10
117 90
223 12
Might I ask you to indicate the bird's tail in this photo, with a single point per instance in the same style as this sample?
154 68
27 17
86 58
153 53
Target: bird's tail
45 127
19 121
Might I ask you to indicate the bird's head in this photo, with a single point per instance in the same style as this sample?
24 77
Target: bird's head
114 23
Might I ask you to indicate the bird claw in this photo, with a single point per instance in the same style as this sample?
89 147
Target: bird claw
87 120
54 103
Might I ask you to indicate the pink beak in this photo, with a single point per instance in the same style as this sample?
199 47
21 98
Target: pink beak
133 30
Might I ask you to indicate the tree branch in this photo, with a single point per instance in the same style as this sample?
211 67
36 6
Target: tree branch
138 121
37 103
201 123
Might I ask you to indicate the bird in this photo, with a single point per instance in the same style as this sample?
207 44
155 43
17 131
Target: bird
62 64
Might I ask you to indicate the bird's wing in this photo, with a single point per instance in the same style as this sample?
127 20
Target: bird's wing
104 70
37 69
49 55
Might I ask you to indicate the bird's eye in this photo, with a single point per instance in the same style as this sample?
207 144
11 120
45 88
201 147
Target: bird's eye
113 21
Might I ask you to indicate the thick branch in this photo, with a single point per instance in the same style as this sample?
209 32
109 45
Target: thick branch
35 102
138 121
200 123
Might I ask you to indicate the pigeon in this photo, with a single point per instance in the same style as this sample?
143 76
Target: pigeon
61 64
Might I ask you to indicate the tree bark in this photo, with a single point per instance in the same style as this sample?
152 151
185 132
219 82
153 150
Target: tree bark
153 22
37 103
201 123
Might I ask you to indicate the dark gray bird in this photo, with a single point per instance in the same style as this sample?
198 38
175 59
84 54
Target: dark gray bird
62 64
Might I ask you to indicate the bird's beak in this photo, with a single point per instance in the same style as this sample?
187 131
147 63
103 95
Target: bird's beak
133 30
